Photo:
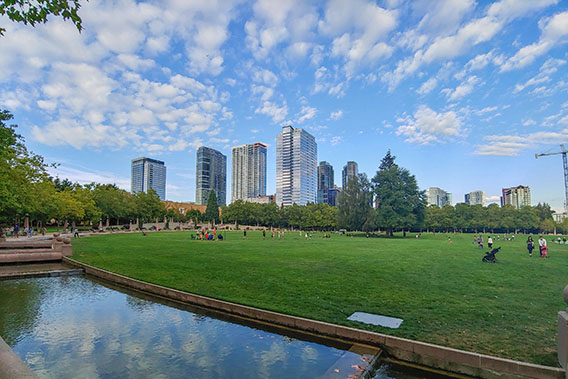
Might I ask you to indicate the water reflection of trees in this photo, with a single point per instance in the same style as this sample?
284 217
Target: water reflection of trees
19 308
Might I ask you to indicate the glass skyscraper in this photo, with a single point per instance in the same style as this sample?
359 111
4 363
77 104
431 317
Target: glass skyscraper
296 163
326 192
350 170
248 175
211 174
147 173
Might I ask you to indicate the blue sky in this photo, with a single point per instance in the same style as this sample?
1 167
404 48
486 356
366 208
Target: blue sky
464 93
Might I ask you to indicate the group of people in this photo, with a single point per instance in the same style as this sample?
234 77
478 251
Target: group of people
26 231
206 235
541 246
479 241
280 233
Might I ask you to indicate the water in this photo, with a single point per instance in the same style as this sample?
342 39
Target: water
74 327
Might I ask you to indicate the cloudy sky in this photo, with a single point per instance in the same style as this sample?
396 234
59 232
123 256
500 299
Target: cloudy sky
464 93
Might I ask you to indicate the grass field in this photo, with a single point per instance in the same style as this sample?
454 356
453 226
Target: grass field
442 290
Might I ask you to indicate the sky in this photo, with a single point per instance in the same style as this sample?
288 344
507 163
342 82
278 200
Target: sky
464 93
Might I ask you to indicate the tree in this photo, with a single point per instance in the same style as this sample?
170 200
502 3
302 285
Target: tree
354 210
212 211
21 172
400 203
36 12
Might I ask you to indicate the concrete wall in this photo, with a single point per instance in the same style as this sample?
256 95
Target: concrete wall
11 366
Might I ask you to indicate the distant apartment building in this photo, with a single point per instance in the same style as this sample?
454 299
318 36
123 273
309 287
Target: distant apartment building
438 197
147 173
248 174
296 167
326 184
211 174
475 198
350 170
516 196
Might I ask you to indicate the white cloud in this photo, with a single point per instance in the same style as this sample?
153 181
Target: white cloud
336 115
86 176
359 29
428 86
549 68
276 23
427 126
306 113
464 89
512 145
554 32
335 140
268 108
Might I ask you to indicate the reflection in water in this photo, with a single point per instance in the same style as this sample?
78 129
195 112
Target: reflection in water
74 327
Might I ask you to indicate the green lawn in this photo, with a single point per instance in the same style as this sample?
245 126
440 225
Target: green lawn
442 290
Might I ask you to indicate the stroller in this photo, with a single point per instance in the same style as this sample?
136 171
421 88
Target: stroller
490 255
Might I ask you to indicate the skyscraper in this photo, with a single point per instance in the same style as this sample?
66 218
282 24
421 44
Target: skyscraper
296 161
147 173
438 197
211 174
350 170
325 182
516 196
475 198
248 178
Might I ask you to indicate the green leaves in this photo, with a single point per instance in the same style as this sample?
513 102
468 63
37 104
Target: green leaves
35 12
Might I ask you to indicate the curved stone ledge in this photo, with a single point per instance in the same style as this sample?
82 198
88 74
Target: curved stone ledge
439 357
11 366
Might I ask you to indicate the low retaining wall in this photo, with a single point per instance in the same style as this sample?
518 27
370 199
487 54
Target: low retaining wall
11 366
440 357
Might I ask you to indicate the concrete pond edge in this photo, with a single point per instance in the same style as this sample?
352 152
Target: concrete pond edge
421 353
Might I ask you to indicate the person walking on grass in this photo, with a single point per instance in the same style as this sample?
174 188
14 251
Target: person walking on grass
244 234
263 233
490 242
542 246
530 245
480 241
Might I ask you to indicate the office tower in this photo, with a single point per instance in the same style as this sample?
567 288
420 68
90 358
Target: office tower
438 197
516 196
325 182
350 170
325 176
475 198
248 177
296 161
147 173
211 174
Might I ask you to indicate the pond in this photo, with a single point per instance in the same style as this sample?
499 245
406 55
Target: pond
67 327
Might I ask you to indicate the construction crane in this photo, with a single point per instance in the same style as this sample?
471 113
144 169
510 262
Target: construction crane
565 162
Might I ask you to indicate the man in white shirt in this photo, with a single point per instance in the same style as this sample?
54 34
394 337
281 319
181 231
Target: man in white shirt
541 244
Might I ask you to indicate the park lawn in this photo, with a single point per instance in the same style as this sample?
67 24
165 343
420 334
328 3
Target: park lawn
442 290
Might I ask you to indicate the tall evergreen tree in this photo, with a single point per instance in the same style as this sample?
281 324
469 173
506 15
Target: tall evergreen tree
400 203
212 211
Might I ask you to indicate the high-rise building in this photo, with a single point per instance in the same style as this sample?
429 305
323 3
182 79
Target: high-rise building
147 173
350 170
248 178
475 198
211 174
296 161
516 196
325 183
438 197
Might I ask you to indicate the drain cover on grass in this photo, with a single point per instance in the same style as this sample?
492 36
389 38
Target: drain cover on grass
369 318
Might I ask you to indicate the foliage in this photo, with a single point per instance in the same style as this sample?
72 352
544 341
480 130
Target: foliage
354 209
212 211
400 204
21 173
37 11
